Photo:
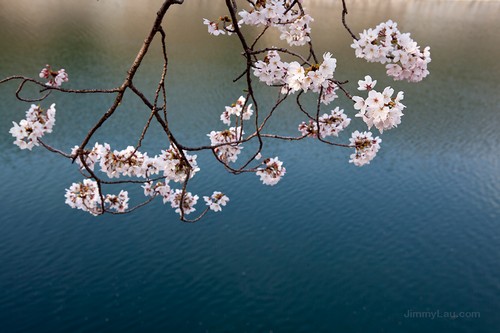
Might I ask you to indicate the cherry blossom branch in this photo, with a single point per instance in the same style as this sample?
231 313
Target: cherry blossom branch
45 87
306 75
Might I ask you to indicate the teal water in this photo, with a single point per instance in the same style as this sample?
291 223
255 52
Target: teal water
332 248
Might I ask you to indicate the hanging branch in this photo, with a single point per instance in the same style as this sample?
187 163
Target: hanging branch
167 175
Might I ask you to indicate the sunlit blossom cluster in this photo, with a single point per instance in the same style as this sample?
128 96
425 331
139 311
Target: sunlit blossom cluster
366 147
329 124
37 122
294 77
296 32
56 78
272 172
387 45
312 78
293 24
379 109
86 196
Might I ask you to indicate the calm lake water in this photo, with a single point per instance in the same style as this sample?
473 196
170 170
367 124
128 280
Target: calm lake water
332 248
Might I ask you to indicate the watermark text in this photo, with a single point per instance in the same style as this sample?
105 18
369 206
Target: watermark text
439 314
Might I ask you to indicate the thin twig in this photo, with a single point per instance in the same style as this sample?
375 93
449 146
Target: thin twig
344 13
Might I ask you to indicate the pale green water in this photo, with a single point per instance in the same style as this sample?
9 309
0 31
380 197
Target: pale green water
331 248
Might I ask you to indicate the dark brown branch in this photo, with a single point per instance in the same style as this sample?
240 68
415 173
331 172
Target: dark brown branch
241 75
54 150
344 13
142 204
339 84
133 69
45 87
281 137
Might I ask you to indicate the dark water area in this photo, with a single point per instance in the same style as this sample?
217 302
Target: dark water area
397 246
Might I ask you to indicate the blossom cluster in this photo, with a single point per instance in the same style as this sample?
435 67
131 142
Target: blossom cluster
366 147
237 109
387 45
118 202
293 24
131 162
294 77
56 78
227 147
271 70
216 30
226 142
158 189
379 109
314 77
37 122
329 124
273 171
187 203
384 44
216 200
86 196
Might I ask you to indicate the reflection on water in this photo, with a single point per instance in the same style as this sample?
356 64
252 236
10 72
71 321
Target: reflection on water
331 248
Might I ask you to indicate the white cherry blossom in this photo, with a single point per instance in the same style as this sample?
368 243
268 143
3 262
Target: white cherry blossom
273 171
118 203
175 167
37 122
56 78
387 45
216 201
237 109
330 124
381 110
227 144
188 202
367 83
213 28
84 196
158 189
366 147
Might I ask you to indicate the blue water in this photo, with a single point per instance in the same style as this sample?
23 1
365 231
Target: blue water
331 248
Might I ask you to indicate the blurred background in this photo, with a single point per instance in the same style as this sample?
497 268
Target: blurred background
331 248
